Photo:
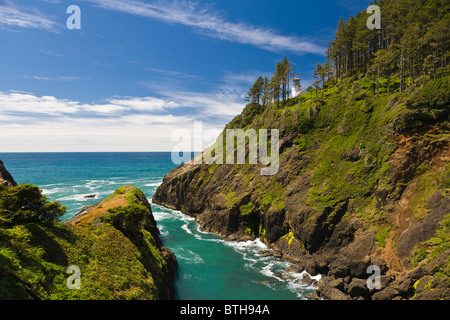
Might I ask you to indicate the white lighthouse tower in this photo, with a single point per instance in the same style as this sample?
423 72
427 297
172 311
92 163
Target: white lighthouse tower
296 88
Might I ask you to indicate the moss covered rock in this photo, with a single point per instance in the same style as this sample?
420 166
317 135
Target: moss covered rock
115 245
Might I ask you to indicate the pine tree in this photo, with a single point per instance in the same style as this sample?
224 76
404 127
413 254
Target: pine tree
320 74
415 35
256 91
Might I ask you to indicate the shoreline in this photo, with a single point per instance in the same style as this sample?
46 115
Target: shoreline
292 272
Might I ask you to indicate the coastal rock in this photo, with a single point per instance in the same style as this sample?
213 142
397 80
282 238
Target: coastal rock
6 178
431 288
306 280
129 212
358 288
419 231
354 154
329 290
388 293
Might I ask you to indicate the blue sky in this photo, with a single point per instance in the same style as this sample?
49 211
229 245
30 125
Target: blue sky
138 69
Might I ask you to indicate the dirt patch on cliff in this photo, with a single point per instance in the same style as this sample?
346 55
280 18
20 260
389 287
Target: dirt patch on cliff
91 213
419 196
390 257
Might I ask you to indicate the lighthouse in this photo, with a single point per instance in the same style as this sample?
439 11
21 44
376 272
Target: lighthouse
296 88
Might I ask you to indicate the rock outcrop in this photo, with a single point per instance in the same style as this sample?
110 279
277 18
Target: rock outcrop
128 211
5 177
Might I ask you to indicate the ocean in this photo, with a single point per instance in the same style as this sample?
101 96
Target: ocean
209 266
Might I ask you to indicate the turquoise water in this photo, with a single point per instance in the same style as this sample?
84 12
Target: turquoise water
209 267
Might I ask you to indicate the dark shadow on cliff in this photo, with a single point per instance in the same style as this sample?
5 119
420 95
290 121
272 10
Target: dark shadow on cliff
54 253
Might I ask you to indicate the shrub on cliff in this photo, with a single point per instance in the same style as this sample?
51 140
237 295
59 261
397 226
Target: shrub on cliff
25 203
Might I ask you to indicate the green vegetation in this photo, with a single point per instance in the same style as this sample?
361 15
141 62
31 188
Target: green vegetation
381 235
26 203
231 198
413 41
289 237
247 209
39 253
118 258
272 195
126 219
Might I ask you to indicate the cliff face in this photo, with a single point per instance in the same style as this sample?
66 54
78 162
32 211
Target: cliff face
352 191
114 244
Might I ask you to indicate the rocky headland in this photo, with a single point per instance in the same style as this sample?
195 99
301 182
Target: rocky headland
115 245
362 181
400 206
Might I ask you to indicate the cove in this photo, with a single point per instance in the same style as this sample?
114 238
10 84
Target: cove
209 266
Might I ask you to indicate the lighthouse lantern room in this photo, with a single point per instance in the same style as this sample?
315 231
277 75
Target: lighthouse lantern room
296 88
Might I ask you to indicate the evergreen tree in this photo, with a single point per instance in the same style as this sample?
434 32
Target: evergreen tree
256 92
414 40
320 74
25 203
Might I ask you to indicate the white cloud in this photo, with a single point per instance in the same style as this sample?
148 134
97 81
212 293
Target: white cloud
48 124
12 16
145 103
15 102
52 53
242 78
58 78
212 104
139 119
188 14
78 135
101 109
224 101
172 73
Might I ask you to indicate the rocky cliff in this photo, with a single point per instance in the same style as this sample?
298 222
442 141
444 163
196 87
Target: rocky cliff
115 246
5 177
354 189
